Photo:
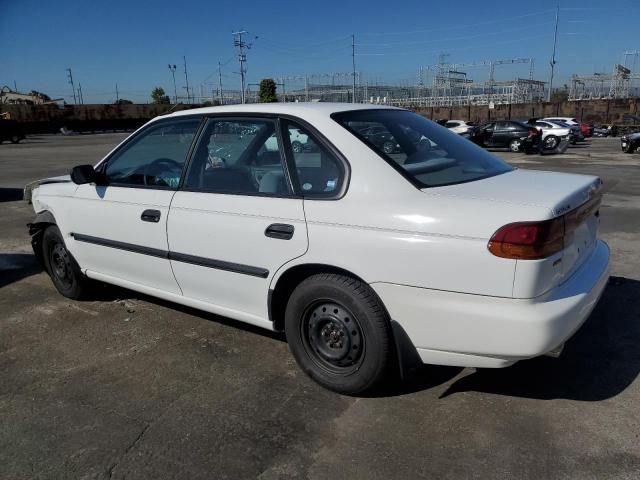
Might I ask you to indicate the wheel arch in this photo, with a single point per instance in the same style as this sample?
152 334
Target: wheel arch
405 352
36 228
288 280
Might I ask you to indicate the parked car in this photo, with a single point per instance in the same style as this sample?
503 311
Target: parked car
460 126
503 134
380 137
296 137
553 135
366 260
10 130
630 143
577 133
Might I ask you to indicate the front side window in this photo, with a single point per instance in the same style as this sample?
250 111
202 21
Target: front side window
319 173
242 156
155 157
425 153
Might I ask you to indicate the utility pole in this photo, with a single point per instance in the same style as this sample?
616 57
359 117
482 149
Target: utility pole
553 55
73 88
172 69
353 62
242 58
220 83
117 95
186 78
80 94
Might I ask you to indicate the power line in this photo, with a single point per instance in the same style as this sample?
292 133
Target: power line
466 37
458 26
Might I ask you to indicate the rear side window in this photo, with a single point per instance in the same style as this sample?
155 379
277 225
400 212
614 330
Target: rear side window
320 174
241 156
427 154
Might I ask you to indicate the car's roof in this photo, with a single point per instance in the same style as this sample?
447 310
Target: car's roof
296 108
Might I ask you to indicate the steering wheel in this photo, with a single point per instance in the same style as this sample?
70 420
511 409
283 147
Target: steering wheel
170 165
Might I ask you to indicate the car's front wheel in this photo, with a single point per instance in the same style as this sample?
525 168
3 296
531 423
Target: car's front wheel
61 266
339 333
388 147
15 139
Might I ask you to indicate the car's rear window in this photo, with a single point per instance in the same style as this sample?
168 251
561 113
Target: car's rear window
424 152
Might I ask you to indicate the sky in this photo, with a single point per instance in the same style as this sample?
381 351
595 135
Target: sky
130 43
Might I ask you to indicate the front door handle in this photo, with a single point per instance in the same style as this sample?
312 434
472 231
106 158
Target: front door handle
280 231
150 216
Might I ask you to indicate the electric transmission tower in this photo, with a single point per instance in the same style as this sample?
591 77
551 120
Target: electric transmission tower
242 47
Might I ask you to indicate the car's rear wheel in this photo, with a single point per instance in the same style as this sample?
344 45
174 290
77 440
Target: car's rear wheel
515 145
61 266
339 333
551 142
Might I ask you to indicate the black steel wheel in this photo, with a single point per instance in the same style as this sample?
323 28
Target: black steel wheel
61 266
332 337
339 333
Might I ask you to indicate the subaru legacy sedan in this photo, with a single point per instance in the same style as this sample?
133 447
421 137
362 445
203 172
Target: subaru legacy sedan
367 258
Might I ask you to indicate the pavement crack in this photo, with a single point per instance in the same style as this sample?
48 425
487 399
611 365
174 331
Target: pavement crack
128 449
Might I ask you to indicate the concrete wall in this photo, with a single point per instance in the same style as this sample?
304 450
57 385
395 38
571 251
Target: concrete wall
589 111
49 118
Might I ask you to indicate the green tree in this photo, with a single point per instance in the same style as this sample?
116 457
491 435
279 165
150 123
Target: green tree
268 91
159 96
123 101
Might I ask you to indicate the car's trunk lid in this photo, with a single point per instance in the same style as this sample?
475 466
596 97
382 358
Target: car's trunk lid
576 197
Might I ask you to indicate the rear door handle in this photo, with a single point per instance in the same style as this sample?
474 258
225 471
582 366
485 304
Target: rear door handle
150 216
281 231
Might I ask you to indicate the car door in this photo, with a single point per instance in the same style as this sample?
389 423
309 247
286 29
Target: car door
119 228
236 220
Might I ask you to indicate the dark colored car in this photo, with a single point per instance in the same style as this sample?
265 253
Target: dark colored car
630 143
504 134
380 137
10 130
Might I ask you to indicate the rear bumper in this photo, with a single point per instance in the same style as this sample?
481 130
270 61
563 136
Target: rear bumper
449 328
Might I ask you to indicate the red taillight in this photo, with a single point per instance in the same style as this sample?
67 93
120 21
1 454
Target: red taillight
528 240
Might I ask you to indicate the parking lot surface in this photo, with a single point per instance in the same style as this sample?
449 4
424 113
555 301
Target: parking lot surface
127 386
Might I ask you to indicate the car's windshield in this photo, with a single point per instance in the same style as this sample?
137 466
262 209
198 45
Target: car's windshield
427 154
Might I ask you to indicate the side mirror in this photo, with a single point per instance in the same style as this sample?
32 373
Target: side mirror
84 174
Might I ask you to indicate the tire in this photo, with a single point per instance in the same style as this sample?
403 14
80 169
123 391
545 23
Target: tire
339 333
388 147
15 139
515 145
551 142
296 146
628 149
61 266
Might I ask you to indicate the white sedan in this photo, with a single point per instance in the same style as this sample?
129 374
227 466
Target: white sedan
460 126
438 251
